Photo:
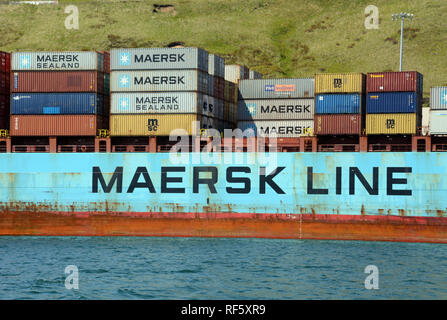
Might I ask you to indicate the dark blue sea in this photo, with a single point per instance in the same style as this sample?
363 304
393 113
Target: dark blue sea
203 268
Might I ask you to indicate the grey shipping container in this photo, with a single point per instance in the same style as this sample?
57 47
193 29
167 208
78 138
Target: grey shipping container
159 80
438 98
438 122
158 59
157 102
57 60
276 88
280 129
255 75
216 65
220 108
284 109
210 85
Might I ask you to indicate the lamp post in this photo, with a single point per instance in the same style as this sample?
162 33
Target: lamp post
402 16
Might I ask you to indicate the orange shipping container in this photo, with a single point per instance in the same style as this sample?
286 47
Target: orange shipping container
55 125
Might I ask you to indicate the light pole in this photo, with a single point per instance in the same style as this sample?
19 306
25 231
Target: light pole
402 16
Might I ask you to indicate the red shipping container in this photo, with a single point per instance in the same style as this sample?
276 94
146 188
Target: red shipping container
5 62
4 104
407 81
4 83
55 125
338 124
57 81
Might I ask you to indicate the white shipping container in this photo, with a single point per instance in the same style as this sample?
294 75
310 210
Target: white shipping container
57 61
280 129
425 121
235 72
159 80
438 121
158 59
276 109
157 102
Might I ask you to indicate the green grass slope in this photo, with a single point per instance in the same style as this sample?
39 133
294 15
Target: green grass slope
279 38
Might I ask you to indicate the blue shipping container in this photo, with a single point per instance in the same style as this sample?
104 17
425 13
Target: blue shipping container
57 103
393 102
338 103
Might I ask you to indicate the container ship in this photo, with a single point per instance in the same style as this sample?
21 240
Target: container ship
174 142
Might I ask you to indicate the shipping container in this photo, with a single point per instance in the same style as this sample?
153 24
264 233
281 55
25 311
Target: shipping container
280 129
255 75
410 81
158 59
154 124
158 102
438 98
276 88
60 81
57 103
55 125
335 124
216 65
438 122
220 108
340 83
338 103
5 62
4 83
392 123
219 88
235 72
277 109
425 121
4 122
393 102
57 61
4 105
156 81
210 91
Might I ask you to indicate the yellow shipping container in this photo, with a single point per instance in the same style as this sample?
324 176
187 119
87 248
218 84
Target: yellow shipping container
153 124
391 123
340 83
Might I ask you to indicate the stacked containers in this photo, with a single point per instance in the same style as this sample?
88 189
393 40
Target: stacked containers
215 112
394 102
339 104
438 111
255 75
58 94
282 108
157 90
5 68
230 104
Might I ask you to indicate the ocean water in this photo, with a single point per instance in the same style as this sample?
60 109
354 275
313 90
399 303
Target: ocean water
204 268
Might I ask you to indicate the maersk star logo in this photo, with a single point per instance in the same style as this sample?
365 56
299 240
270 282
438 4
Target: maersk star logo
124 81
24 61
124 59
444 97
252 108
124 103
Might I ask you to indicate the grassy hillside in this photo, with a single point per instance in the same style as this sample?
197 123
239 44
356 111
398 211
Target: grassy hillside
279 38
